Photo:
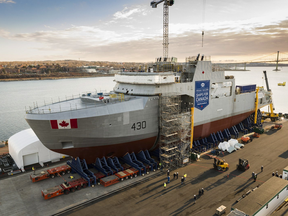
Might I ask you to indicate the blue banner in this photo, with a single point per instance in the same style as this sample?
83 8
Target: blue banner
202 94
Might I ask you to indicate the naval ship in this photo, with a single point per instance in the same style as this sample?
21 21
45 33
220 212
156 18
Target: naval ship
127 118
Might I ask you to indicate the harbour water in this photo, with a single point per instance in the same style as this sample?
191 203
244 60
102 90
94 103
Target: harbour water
17 96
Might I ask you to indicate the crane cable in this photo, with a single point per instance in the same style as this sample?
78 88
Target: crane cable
203 20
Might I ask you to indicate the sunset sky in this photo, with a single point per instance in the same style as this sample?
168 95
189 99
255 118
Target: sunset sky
131 30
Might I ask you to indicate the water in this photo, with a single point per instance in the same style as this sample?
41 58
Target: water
17 95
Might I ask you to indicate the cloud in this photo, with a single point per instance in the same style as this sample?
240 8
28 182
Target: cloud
82 35
4 33
127 13
7 1
131 41
236 44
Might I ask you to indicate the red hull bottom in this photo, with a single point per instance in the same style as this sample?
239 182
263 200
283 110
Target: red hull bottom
205 130
91 153
119 150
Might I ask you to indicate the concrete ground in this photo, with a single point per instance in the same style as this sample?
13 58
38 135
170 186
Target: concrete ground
19 196
221 188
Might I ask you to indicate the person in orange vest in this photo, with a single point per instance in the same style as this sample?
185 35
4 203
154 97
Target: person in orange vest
33 170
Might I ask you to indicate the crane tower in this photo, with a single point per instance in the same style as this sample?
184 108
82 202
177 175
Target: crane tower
166 4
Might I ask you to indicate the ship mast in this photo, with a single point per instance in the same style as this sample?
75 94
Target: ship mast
277 61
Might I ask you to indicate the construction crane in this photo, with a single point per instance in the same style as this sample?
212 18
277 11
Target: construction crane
166 5
273 116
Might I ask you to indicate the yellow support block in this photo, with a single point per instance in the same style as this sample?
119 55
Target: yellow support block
192 127
271 108
121 96
256 106
112 95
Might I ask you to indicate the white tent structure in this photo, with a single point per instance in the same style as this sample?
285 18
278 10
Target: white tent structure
25 148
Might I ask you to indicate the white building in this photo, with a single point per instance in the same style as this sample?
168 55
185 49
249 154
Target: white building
90 70
25 148
285 173
265 200
114 71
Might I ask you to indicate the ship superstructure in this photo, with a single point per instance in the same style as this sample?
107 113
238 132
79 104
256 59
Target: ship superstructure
127 118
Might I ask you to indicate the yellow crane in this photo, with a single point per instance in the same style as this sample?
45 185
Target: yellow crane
273 116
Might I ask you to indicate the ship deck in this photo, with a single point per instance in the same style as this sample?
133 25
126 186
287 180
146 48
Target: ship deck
19 196
79 103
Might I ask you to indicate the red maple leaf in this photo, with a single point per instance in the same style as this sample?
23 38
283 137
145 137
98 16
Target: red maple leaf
63 124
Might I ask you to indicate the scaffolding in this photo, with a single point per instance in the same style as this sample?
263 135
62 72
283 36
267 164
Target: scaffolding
175 127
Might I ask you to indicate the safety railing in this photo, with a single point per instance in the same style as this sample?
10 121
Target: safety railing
47 108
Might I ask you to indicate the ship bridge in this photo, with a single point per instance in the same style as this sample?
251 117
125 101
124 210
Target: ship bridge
145 78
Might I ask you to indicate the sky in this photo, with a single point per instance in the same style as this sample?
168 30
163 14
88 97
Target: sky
132 31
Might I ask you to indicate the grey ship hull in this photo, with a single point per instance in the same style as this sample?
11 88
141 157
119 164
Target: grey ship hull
110 130
114 134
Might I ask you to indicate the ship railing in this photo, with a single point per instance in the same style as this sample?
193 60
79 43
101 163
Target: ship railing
217 68
35 109
48 103
166 59
197 58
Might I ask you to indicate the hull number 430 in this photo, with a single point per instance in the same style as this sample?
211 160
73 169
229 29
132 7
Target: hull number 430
139 125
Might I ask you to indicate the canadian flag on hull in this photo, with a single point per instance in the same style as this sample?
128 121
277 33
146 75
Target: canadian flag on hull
64 124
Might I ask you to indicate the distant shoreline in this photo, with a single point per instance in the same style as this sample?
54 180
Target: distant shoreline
53 78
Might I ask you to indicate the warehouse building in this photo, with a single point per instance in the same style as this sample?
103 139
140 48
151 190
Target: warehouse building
26 149
264 200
